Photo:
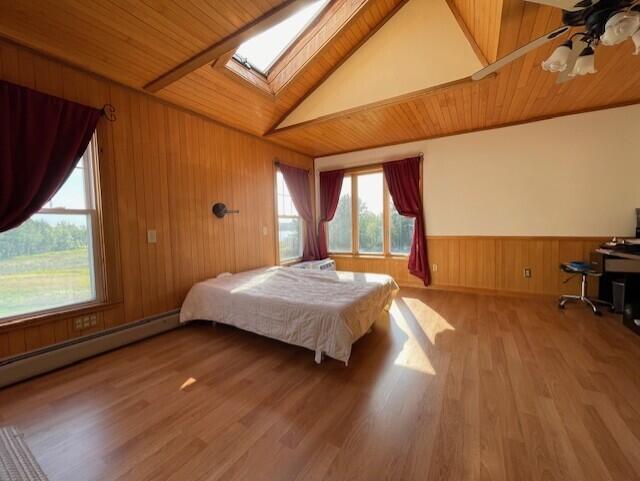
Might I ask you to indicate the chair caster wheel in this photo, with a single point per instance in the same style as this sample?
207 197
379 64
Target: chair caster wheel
560 305
597 313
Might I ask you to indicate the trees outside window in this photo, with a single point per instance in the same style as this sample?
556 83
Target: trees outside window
379 228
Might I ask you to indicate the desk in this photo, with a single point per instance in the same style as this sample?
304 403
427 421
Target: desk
617 265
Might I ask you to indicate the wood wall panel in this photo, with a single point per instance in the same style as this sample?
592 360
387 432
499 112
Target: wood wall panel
489 263
160 168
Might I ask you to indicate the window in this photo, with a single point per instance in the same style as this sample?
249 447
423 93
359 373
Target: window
401 231
48 262
289 223
339 229
261 51
370 216
378 227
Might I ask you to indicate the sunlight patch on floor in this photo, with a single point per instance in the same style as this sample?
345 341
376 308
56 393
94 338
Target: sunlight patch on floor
187 383
413 354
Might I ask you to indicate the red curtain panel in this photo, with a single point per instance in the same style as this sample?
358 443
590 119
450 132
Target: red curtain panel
297 181
330 187
41 140
403 179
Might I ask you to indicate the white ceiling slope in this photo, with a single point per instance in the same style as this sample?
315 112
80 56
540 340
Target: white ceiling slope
421 46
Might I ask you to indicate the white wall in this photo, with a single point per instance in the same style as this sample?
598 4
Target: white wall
577 175
404 56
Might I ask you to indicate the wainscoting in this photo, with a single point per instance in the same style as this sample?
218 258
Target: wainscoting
494 264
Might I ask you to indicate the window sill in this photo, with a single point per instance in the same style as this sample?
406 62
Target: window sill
290 262
341 255
51 315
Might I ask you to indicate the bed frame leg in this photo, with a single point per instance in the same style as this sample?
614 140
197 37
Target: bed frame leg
319 356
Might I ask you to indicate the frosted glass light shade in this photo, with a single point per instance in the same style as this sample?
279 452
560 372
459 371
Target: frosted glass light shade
585 63
620 27
557 62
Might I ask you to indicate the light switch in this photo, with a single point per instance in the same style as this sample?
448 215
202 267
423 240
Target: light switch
151 236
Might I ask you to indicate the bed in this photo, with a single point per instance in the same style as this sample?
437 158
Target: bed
325 311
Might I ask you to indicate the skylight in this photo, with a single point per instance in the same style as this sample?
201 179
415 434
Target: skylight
262 51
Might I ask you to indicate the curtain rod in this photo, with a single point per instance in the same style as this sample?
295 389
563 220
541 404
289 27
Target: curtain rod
372 164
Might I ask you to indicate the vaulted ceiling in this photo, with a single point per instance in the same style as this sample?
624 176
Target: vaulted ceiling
180 52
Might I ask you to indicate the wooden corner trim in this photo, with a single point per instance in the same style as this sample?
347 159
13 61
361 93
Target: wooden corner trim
467 33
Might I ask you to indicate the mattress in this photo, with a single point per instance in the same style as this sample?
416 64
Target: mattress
325 311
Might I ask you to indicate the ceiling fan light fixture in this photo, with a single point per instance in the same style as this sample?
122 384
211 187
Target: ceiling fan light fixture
620 27
585 64
558 60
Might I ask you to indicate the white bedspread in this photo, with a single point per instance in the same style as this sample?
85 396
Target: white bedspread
319 310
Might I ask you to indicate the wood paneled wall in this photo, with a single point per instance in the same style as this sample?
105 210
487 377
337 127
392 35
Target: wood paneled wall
493 264
161 168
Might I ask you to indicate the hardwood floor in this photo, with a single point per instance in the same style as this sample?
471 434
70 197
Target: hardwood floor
453 387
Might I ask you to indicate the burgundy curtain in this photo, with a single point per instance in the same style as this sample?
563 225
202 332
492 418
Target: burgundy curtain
330 187
298 184
41 140
403 179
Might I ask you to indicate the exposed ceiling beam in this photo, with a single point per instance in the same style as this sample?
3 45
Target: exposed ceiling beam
400 99
229 43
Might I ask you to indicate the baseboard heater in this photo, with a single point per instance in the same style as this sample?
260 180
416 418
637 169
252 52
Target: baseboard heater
34 363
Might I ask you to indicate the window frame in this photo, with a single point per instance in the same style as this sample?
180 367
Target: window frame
354 173
95 246
245 63
279 260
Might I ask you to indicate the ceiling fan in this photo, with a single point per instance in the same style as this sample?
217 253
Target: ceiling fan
606 22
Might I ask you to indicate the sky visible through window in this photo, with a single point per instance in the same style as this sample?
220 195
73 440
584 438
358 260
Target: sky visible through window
264 49
70 196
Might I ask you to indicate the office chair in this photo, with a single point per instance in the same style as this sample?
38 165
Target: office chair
584 270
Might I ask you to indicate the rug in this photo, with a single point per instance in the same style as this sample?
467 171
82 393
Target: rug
16 461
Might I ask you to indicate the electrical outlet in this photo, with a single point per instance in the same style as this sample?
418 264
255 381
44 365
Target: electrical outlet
265 231
527 272
85 322
151 236
434 268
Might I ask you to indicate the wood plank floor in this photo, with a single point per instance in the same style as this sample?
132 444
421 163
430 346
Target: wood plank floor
453 387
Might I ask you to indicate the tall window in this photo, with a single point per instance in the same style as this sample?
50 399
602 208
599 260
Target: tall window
289 223
48 261
340 228
379 228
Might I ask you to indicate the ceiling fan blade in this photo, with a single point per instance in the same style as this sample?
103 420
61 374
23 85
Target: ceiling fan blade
563 4
578 46
507 59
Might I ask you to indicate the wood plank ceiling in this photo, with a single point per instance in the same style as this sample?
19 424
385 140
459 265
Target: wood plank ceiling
135 42
519 93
